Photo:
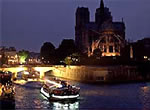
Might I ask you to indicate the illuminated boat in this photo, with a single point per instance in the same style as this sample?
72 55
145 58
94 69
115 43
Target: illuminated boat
30 75
7 97
7 89
60 91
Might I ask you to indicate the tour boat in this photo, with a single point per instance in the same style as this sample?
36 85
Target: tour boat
60 90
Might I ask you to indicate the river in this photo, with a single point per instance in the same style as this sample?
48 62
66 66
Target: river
135 96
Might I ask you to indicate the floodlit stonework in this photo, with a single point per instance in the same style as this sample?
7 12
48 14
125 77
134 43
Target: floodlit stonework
103 33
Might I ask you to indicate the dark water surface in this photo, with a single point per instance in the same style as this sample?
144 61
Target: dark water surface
93 97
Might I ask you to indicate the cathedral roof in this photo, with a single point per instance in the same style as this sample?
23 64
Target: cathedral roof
105 26
119 25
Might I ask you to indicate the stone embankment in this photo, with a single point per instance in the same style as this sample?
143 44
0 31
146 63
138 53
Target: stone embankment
97 74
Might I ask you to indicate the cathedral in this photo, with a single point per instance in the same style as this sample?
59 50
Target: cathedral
103 34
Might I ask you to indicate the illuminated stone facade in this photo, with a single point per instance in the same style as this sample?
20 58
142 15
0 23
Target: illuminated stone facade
103 34
10 55
34 58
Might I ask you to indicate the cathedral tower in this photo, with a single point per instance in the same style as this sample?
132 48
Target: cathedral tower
102 14
82 18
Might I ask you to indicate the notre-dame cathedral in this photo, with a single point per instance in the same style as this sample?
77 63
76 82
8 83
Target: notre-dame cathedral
103 34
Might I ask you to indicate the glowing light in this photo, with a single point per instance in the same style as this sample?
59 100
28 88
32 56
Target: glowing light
38 69
43 92
20 69
26 72
111 54
52 82
21 82
66 97
67 106
145 57
16 56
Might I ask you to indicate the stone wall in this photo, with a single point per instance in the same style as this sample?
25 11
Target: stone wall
96 73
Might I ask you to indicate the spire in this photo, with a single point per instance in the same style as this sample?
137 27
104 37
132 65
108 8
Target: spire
122 20
102 4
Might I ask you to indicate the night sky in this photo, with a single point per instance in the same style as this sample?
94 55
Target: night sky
27 24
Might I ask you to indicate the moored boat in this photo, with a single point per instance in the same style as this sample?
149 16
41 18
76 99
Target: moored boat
7 92
7 89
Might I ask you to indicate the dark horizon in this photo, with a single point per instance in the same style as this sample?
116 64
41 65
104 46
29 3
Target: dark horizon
27 24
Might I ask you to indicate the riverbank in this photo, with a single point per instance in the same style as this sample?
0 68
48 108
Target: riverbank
100 75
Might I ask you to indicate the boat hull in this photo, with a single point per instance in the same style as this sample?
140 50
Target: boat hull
64 98
53 97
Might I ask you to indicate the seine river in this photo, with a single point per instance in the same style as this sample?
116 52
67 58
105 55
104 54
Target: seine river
93 97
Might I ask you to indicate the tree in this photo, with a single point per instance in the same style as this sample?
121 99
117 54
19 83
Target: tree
47 53
143 68
66 48
68 61
23 56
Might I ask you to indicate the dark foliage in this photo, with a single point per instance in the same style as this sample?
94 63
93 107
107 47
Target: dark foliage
144 68
47 53
66 48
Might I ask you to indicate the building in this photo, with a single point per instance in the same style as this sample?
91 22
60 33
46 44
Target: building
10 55
103 33
141 49
137 51
34 58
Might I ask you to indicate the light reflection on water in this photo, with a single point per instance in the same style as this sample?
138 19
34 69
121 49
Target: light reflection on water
65 106
122 96
60 105
145 96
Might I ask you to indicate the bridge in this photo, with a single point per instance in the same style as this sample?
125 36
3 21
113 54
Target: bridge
41 69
